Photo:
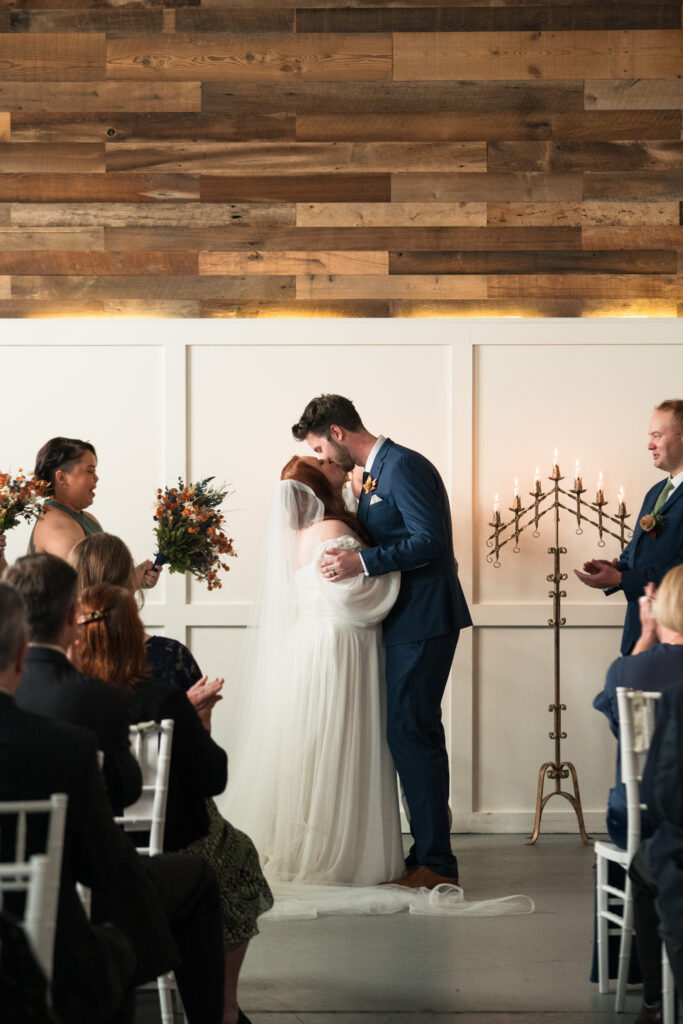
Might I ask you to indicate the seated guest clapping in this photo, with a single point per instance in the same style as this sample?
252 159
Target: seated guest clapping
111 644
167 906
104 558
165 909
655 662
657 868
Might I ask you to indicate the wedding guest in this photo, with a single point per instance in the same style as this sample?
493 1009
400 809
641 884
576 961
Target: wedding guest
51 686
111 644
657 542
655 871
655 662
104 558
161 913
69 466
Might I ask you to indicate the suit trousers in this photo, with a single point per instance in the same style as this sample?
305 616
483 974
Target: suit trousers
187 890
651 928
417 674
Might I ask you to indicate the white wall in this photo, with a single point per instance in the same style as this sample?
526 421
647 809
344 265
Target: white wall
485 400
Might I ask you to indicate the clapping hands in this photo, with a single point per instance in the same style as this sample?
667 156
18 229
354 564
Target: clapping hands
599 573
204 696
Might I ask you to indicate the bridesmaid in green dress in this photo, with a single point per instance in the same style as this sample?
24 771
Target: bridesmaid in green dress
70 467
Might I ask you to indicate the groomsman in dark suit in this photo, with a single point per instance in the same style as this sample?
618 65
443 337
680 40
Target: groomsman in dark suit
404 508
167 907
657 542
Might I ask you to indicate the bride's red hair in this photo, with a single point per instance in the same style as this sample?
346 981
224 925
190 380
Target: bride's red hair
305 472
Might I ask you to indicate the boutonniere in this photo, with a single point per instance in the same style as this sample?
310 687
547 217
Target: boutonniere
653 524
370 485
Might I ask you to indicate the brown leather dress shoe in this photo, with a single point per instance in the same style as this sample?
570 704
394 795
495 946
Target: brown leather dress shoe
422 877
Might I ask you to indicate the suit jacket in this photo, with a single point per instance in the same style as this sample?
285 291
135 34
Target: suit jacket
51 686
93 966
408 517
662 789
199 767
647 559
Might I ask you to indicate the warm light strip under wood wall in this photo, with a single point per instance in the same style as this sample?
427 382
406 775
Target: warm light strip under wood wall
343 158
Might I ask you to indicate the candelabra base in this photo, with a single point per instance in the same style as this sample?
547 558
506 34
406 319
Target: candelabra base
552 770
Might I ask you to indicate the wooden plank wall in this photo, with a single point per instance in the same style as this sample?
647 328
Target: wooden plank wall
344 157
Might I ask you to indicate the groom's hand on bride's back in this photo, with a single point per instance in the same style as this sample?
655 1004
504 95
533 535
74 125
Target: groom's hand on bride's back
341 564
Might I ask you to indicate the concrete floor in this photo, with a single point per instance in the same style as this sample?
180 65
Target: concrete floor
408 970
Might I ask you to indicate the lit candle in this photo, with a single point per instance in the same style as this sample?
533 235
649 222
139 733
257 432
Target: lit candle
537 482
516 502
578 482
556 468
600 495
622 502
495 505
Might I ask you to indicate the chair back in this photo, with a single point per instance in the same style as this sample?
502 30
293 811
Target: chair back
37 876
636 725
151 743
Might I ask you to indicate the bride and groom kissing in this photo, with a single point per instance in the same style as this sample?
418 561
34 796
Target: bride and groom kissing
358 672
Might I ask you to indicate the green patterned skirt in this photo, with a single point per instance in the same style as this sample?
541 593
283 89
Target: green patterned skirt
244 892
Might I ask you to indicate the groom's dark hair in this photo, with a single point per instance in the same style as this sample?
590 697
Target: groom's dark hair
324 411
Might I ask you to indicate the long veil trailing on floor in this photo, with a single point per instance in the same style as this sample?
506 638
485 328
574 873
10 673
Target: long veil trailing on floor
311 779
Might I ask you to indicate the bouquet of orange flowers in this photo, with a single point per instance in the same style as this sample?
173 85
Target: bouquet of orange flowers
189 530
19 499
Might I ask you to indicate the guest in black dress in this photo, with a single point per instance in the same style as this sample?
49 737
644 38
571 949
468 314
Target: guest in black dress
111 644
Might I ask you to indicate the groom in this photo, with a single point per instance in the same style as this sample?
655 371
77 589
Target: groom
404 507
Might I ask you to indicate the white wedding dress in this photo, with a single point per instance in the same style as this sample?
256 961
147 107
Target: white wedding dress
312 781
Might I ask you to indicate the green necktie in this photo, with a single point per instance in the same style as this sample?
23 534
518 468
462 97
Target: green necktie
663 495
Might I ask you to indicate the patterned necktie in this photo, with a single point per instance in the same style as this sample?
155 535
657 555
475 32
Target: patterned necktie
663 496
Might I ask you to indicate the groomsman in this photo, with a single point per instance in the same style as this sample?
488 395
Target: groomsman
657 542
404 508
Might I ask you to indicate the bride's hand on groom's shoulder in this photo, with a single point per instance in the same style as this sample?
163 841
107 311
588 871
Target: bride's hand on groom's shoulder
341 564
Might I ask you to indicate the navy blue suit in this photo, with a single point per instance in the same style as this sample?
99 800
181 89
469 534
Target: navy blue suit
647 558
408 518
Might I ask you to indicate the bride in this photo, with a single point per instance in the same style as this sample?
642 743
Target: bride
313 780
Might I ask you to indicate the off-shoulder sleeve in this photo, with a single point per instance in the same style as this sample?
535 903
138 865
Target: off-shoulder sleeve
362 600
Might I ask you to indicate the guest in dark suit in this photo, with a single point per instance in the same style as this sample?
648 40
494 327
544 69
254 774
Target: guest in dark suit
657 542
167 906
94 966
51 686
404 508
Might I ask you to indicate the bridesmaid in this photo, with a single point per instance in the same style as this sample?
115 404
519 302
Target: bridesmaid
69 465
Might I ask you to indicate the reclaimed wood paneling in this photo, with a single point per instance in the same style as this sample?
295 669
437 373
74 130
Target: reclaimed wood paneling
361 97
355 158
113 97
149 128
45 58
226 58
440 56
141 215
307 263
399 215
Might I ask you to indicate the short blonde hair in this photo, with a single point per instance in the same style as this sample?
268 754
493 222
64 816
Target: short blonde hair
669 603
